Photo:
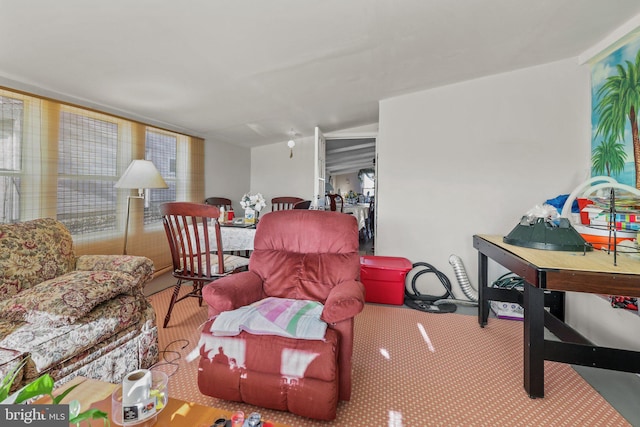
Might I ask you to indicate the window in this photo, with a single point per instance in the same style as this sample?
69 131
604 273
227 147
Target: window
11 119
87 166
161 149
62 161
368 179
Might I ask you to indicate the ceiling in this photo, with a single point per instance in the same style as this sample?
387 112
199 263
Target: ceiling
247 72
349 155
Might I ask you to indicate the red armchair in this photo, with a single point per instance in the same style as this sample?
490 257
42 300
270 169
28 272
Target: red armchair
298 254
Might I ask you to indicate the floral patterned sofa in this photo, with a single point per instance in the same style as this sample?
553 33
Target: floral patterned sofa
71 315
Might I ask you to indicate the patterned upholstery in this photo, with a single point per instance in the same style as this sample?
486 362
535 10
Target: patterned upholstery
32 252
71 316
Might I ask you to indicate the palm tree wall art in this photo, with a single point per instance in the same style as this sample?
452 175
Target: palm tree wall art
615 142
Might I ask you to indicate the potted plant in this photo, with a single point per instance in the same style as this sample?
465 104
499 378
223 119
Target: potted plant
41 386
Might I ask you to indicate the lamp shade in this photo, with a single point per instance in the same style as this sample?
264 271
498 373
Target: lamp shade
141 174
328 188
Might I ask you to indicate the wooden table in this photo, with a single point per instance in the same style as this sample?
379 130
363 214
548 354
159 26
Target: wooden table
97 394
234 237
544 271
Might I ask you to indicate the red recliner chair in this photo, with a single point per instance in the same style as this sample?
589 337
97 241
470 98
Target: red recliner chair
298 254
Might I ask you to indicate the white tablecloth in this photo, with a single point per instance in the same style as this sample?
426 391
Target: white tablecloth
361 212
235 238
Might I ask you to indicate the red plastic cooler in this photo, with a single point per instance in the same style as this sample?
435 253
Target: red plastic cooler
383 278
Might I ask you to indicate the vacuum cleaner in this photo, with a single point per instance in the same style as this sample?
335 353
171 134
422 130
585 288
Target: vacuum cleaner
445 303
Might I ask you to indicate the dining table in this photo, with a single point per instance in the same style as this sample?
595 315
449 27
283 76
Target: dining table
360 211
235 237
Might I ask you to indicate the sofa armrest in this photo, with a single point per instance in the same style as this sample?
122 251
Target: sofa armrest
344 302
139 267
233 291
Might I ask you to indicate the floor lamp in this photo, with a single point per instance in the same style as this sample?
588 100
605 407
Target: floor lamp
140 174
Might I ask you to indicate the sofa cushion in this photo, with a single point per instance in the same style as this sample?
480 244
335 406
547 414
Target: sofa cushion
65 299
48 346
7 327
137 266
82 358
33 251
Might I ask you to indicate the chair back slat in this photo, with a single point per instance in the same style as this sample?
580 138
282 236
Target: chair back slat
284 203
187 229
219 202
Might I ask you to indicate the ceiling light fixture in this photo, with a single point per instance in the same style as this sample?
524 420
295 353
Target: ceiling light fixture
291 143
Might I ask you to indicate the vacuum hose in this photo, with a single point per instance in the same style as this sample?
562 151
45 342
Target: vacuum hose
463 279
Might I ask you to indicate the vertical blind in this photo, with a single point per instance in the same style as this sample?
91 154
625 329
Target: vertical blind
62 161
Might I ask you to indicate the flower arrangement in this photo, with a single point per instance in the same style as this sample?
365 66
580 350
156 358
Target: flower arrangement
253 201
351 197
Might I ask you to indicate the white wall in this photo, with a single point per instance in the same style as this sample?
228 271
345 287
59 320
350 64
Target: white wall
274 174
346 182
227 171
472 158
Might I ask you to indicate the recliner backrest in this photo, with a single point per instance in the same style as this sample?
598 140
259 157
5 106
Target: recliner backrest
303 254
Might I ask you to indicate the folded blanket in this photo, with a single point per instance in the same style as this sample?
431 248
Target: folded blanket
274 316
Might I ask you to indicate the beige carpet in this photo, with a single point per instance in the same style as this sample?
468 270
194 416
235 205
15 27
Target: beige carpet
415 369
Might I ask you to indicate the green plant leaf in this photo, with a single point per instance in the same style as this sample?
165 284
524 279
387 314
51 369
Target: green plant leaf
91 414
58 398
43 385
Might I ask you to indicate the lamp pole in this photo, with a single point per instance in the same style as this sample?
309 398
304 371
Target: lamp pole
126 227
140 174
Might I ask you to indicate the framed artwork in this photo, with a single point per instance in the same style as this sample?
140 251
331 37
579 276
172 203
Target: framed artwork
615 112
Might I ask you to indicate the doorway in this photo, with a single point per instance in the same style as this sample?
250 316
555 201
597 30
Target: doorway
350 172
350 165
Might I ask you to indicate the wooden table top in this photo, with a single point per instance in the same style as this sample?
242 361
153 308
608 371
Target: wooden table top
595 261
592 272
97 394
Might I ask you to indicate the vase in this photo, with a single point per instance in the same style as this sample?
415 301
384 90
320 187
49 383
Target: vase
249 216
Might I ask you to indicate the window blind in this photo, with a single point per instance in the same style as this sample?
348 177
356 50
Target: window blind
62 161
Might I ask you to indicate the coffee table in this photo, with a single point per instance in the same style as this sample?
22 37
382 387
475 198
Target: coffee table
97 394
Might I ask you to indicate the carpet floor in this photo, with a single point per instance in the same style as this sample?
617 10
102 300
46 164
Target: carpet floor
413 369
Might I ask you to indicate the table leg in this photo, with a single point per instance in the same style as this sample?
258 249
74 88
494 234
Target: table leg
555 301
483 303
533 341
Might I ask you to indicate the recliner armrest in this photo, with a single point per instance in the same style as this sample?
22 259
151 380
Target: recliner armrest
344 302
233 291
